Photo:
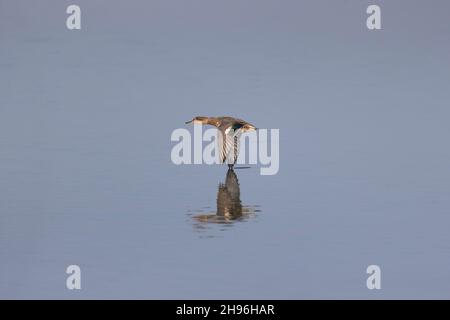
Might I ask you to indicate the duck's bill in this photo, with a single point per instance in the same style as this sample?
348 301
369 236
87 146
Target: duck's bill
187 122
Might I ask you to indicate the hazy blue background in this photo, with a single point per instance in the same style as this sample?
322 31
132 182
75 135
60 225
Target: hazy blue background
85 170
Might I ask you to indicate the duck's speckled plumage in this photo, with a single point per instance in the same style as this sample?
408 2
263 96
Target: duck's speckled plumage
230 129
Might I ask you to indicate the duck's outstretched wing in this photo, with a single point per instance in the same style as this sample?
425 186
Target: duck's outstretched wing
229 141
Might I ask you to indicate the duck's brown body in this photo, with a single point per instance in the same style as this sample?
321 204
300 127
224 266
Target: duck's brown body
230 129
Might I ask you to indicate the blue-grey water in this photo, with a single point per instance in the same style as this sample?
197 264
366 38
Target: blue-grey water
86 176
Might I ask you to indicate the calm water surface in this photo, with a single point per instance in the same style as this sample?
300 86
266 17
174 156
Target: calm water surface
86 176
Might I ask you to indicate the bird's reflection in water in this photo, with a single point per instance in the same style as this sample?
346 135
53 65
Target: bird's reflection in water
229 206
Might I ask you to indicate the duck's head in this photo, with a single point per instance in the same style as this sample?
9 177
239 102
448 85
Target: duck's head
198 120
